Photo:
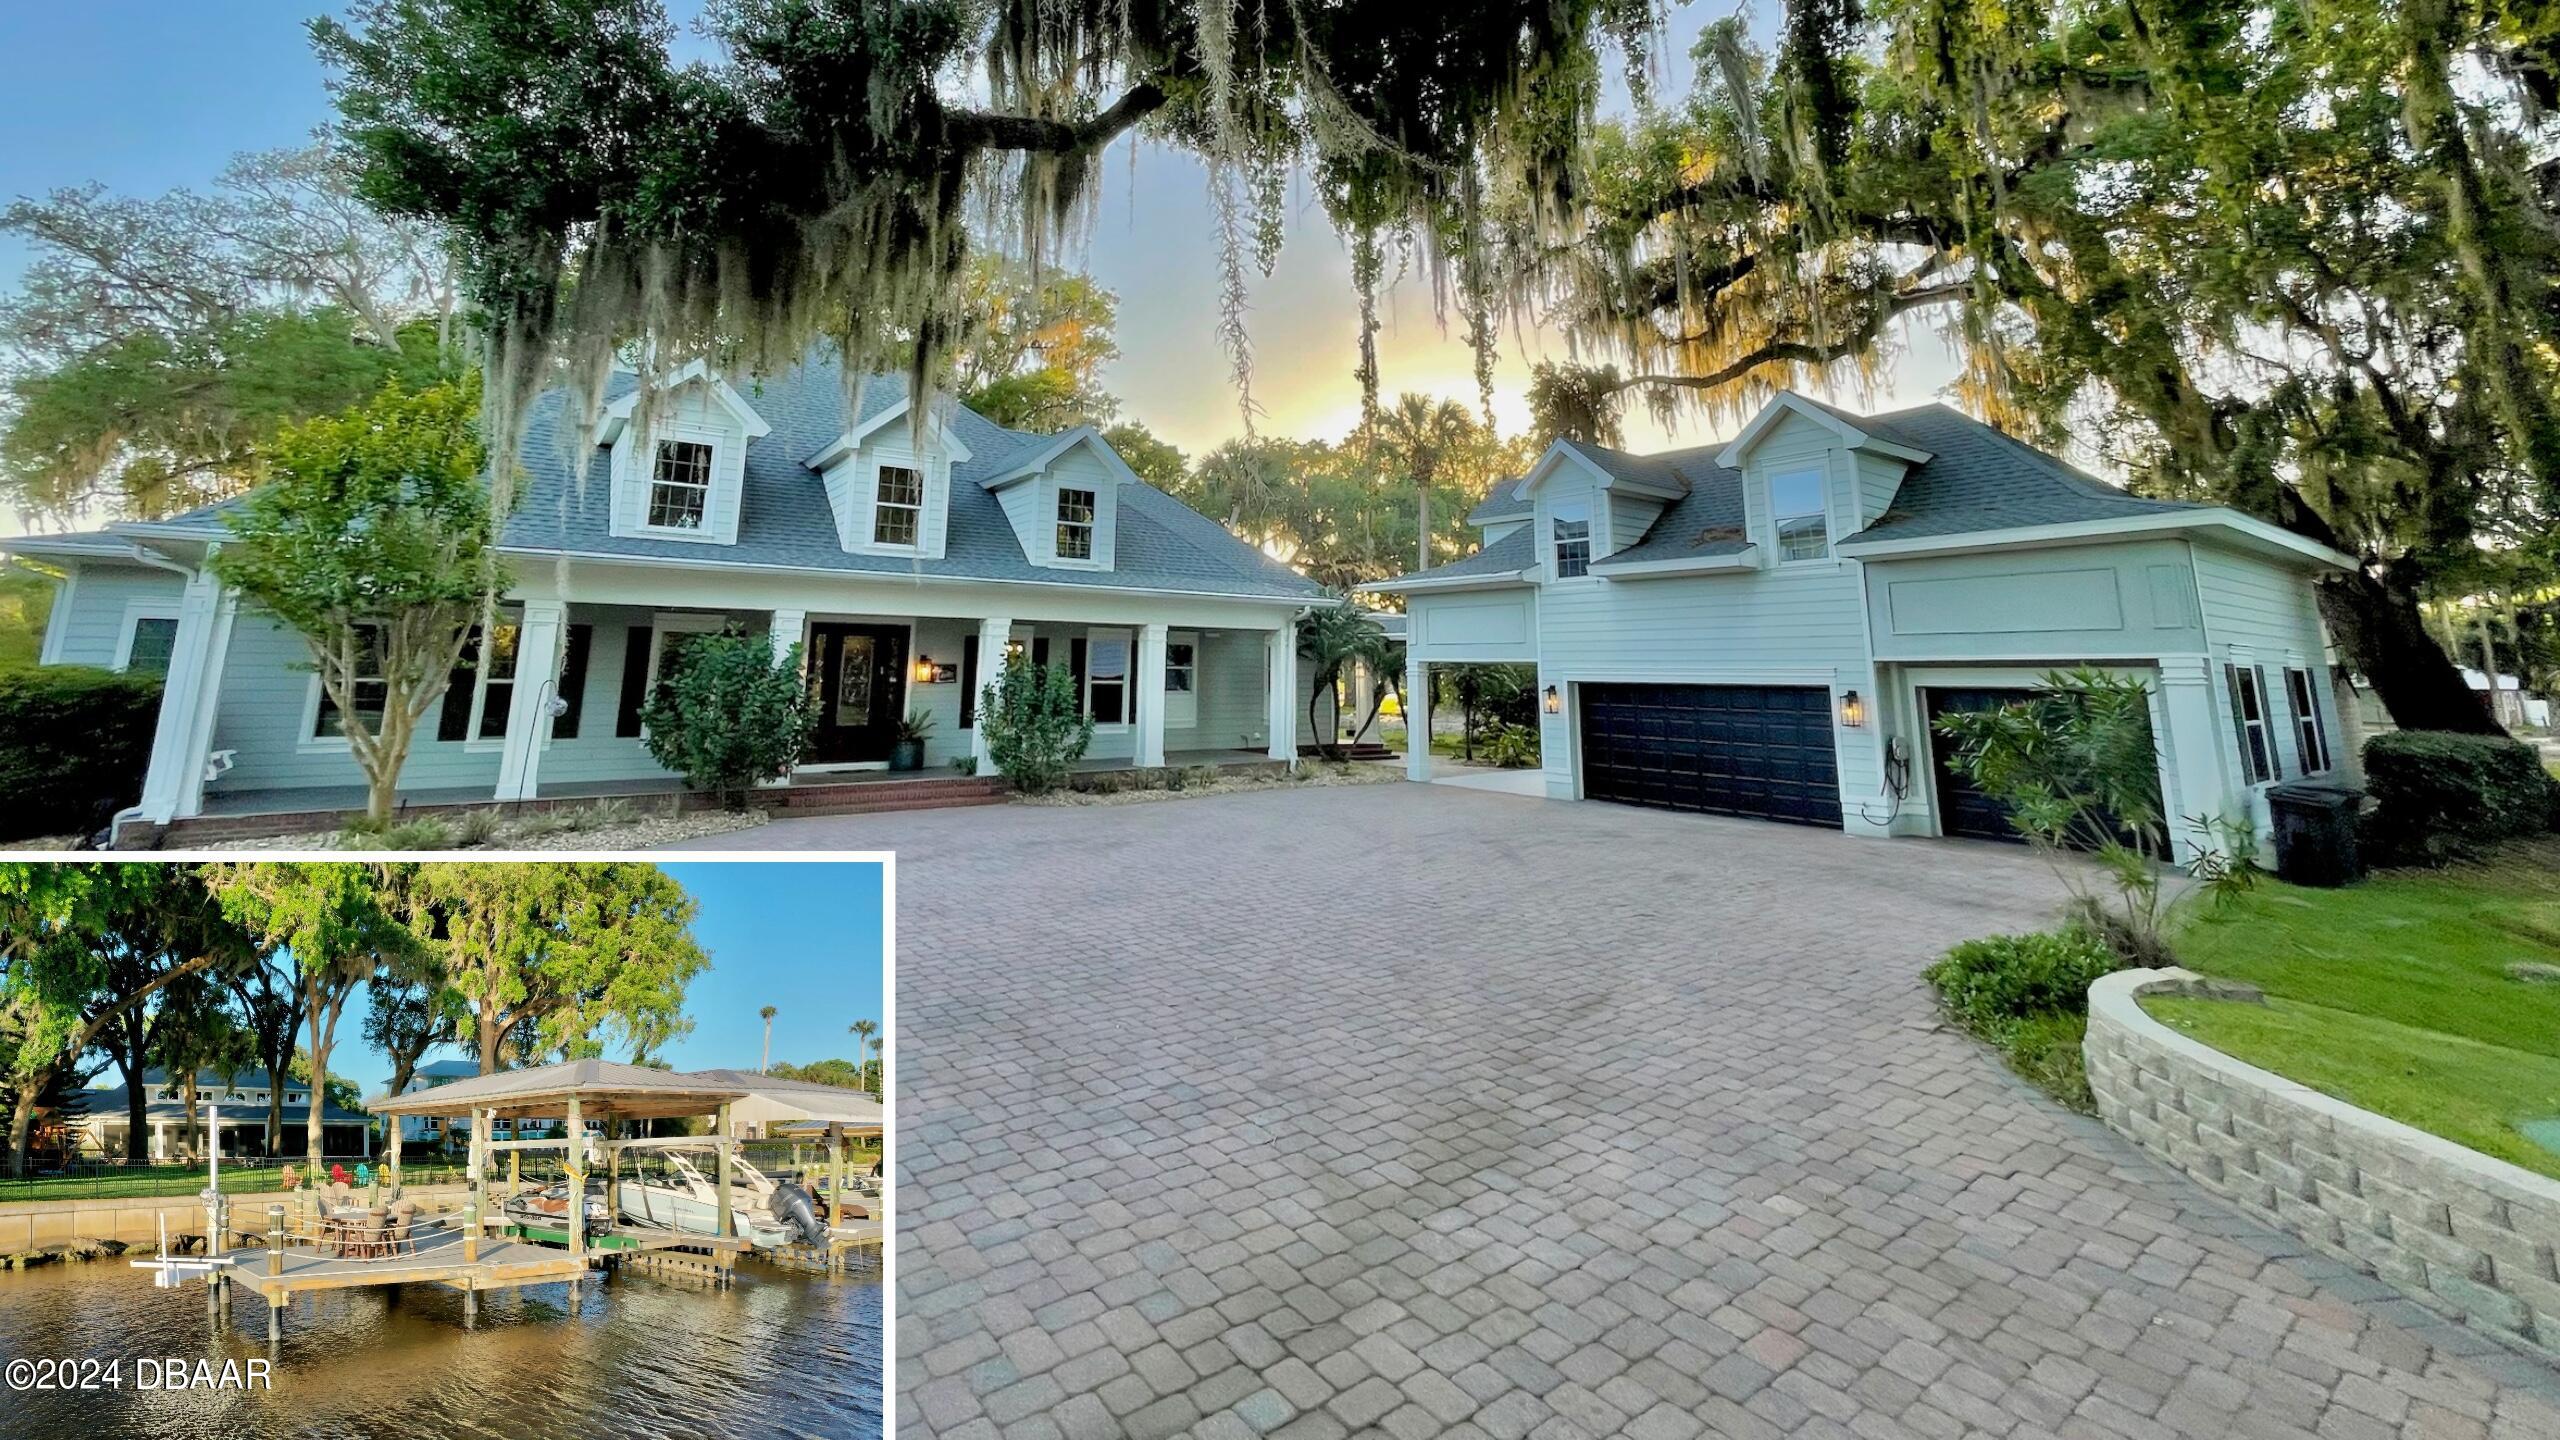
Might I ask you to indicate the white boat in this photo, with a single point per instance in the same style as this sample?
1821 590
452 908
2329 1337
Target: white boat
680 1197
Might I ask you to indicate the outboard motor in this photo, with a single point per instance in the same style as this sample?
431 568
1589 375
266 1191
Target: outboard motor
793 1208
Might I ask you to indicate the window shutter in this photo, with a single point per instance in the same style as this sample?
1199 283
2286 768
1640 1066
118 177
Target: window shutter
635 683
1039 650
1075 667
573 680
969 683
2239 720
454 721
2266 708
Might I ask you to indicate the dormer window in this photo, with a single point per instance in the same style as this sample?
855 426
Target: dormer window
1797 514
897 516
680 487
1572 524
1075 524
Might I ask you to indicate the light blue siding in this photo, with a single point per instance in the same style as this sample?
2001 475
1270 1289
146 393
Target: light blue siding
2258 612
95 601
2128 600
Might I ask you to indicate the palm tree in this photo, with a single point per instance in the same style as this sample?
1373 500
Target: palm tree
1333 638
862 1030
768 1013
1423 435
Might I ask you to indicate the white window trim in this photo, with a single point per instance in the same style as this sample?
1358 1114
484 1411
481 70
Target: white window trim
1092 528
2312 683
1104 497
924 497
1590 541
647 460
473 742
309 743
135 612
1821 473
1128 676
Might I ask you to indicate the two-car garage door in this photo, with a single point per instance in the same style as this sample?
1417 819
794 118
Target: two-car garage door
1756 750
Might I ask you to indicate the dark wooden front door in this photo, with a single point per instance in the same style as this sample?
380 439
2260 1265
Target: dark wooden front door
858 677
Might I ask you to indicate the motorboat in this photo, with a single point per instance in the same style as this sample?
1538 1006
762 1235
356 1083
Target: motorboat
550 1208
679 1196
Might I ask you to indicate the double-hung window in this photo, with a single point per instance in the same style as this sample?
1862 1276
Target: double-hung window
1572 524
680 485
1181 667
897 514
1796 512
498 677
1075 524
1106 679
372 693
150 639
2249 720
2311 738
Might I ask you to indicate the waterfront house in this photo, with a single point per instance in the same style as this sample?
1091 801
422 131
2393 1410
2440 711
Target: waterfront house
98 1118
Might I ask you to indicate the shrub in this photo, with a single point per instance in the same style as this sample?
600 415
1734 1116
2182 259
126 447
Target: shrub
74 742
1034 724
731 716
1511 747
2438 796
1990 983
427 832
478 827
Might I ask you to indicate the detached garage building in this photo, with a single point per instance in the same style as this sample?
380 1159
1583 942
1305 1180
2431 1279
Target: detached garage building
1766 627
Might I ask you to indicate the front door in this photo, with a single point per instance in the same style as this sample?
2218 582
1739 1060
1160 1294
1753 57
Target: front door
858 678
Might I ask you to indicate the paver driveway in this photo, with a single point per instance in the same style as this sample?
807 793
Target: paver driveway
1414 1111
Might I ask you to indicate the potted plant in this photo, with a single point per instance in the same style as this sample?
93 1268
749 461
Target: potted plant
908 753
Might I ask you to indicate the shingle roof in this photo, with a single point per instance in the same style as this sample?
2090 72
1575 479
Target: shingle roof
1500 504
1513 552
784 518
1976 479
632 1089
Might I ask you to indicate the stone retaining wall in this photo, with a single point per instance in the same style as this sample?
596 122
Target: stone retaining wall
2469 1235
30 1225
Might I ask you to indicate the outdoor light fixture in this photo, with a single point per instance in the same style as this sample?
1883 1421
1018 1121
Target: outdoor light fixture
1555 701
1853 711
924 669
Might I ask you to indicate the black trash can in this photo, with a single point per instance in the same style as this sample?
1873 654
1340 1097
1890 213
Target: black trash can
2315 824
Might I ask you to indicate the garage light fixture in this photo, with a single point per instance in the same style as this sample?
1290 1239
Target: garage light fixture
1853 711
1555 701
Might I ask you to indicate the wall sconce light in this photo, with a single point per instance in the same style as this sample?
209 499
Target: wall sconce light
1555 701
924 669
1853 711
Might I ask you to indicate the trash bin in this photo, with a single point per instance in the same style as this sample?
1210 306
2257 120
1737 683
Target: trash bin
2315 825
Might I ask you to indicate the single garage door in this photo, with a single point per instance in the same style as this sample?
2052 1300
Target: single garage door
1962 807
1763 751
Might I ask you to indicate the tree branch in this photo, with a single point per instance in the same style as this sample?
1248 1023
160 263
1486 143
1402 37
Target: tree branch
992 130
1780 352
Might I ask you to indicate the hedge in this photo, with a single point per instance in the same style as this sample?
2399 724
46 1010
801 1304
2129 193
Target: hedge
74 742
2438 795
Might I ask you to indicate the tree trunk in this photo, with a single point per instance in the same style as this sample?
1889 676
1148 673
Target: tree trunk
129 1057
22 1121
279 1072
312 1137
2378 625
187 1090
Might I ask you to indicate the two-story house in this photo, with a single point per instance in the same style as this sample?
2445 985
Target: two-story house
98 1118
1768 626
904 558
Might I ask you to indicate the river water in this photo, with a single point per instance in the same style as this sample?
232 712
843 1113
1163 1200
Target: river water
778 1353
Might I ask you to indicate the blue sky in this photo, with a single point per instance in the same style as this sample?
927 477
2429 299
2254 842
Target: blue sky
804 936
144 95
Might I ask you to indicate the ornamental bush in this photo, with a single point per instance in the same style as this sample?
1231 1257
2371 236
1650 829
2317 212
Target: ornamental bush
2028 995
730 715
2438 796
1035 726
74 742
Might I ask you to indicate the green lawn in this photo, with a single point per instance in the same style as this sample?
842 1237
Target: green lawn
2393 995
120 1182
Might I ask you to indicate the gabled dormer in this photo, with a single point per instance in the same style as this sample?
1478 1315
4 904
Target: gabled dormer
684 479
1063 498
890 492
1588 502
1812 476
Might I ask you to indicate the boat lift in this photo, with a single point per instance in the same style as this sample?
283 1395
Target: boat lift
169 1269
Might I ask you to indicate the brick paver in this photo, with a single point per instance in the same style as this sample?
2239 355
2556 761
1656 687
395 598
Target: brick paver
1409 1112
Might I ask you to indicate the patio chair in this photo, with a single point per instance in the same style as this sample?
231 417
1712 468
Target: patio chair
289 1179
401 1239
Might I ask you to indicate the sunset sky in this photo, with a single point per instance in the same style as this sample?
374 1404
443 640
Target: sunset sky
144 95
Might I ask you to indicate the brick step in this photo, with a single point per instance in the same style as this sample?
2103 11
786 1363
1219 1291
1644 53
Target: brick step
1371 751
890 807
882 792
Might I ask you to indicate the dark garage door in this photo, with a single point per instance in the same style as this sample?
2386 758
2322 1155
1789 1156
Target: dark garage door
1962 807
1759 750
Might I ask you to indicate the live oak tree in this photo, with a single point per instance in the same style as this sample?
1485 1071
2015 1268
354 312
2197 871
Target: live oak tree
371 540
2300 259
1033 344
330 923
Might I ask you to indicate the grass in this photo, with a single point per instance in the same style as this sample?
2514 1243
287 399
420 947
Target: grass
122 1182
2394 995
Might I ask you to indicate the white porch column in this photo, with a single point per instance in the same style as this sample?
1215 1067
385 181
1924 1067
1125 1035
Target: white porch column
529 719
226 614
187 699
790 627
1417 716
2197 751
994 634
1151 643
1364 702
1280 649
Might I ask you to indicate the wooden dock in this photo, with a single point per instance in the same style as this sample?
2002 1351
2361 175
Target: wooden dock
439 1259
842 1244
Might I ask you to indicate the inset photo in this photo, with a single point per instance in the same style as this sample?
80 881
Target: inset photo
522 1148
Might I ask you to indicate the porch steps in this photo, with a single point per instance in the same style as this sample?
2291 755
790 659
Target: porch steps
1368 750
875 798
868 806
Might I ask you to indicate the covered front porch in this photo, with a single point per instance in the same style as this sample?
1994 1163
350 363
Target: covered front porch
549 710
